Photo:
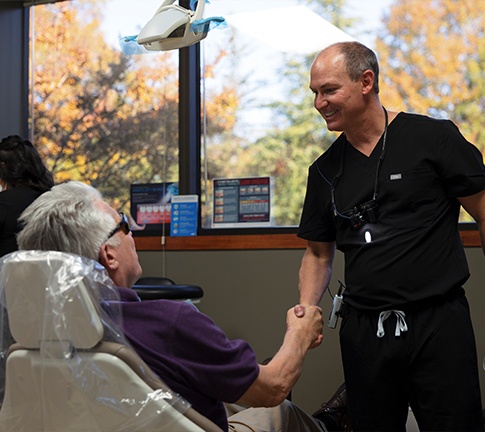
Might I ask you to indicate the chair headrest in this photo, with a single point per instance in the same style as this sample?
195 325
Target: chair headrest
49 298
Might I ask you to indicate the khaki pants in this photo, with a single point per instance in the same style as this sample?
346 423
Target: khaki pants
286 417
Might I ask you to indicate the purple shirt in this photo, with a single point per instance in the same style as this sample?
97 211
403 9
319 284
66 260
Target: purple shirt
187 350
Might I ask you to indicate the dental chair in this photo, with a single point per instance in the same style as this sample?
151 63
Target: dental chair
71 368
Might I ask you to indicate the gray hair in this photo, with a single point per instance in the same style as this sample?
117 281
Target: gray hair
68 218
358 58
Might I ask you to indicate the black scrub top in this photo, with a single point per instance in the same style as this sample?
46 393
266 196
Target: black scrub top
411 251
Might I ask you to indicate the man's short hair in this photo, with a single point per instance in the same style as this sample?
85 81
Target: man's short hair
68 218
358 58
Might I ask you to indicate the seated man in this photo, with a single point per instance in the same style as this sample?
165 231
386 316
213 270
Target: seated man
180 344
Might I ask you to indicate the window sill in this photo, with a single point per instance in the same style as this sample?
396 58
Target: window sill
470 238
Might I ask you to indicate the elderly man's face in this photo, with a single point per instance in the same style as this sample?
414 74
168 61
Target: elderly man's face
125 268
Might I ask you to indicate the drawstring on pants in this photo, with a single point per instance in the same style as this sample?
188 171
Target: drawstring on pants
401 325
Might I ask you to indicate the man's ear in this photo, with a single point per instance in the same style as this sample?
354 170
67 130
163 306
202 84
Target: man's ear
107 257
367 80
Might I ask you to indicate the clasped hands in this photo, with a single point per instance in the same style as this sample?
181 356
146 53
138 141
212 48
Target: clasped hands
309 320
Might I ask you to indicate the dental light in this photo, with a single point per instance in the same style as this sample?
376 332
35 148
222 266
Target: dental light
174 26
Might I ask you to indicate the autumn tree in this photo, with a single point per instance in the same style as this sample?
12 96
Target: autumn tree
432 56
100 116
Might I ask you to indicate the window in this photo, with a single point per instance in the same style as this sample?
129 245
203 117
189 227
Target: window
100 116
264 124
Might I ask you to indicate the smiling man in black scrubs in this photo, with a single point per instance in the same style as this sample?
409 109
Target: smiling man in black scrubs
387 193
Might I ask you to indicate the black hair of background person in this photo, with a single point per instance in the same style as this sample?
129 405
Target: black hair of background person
23 177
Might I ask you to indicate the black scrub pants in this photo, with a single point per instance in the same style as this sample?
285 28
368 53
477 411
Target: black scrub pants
431 367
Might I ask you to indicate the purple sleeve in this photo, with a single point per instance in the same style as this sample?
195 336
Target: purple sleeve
216 366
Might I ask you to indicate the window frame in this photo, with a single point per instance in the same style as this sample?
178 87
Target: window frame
246 241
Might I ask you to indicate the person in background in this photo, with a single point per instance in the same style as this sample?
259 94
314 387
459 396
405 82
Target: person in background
387 193
23 177
184 347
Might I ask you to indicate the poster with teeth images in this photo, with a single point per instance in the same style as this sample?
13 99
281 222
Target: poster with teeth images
151 206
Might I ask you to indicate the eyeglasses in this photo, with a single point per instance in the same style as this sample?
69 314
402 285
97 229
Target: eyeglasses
124 226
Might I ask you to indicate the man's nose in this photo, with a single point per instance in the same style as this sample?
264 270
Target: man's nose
320 102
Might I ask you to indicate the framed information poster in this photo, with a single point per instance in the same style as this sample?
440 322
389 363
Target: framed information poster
242 202
184 215
151 205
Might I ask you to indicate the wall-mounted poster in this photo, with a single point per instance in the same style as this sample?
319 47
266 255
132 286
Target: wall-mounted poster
242 202
151 205
184 215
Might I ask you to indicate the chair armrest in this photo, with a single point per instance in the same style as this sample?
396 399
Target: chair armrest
169 292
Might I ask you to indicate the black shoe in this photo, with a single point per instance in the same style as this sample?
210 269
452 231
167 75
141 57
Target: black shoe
334 413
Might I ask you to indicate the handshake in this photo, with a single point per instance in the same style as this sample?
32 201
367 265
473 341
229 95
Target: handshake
307 321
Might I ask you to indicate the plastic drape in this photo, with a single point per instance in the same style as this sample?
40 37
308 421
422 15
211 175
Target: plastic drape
62 310
129 46
207 24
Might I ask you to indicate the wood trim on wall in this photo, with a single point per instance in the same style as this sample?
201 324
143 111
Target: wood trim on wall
470 238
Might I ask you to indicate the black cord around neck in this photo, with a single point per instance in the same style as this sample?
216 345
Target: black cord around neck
341 168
